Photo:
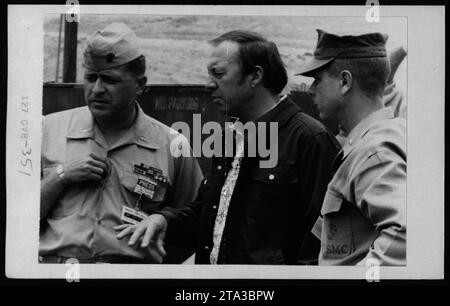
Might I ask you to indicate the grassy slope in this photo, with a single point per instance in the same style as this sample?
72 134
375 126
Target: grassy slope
176 46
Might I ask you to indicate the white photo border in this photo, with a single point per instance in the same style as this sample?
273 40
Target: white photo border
425 186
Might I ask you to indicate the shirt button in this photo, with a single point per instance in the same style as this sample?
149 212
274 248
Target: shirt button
271 177
219 167
214 207
205 181
206 247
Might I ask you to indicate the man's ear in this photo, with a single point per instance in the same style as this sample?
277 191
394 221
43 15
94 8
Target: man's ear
140 87
256 76
346 81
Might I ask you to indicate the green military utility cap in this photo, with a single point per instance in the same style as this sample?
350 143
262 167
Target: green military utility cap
111 47
330 47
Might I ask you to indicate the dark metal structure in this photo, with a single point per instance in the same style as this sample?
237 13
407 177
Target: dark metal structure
70 51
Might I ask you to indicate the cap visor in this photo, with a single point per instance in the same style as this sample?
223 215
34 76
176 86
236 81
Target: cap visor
312 66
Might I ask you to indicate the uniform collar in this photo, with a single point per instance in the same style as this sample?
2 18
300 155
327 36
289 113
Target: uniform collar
144 131
363 127
82 125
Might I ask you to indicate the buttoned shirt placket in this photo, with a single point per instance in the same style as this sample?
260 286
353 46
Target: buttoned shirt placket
99 138
225 199
227 192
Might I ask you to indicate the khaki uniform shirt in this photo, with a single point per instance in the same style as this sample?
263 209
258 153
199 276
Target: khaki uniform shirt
81 222
364 209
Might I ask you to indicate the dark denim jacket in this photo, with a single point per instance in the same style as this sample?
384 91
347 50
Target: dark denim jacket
272 210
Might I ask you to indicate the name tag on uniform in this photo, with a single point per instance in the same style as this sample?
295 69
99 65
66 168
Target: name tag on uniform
132 216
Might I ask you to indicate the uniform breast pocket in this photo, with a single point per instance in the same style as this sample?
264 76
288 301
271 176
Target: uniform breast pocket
144 193
337 233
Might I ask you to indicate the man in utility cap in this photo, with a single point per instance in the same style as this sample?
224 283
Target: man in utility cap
108 165
364 209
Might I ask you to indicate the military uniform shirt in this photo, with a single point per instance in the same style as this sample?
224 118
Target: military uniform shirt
364 209
80 223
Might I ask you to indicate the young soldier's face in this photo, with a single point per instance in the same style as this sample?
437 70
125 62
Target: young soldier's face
325 93
110 94
230 89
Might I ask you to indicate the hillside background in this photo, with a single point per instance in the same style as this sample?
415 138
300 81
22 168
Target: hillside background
177 51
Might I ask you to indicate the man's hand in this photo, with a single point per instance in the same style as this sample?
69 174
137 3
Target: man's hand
152 230
89 168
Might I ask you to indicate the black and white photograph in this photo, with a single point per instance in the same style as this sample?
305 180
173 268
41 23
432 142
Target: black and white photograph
225 142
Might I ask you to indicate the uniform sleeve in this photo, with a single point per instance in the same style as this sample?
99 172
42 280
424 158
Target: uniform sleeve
380 193
187 179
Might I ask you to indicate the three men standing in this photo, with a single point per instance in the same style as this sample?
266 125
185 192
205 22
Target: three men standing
108 172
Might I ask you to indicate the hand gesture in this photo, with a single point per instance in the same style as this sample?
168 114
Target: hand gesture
89 168
150 231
